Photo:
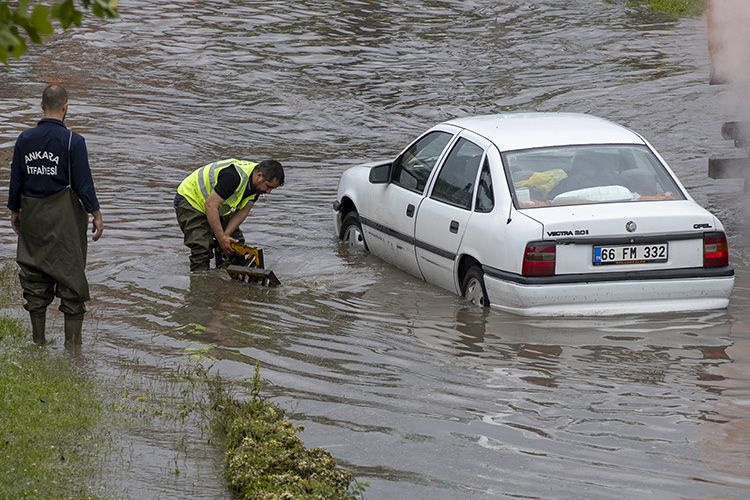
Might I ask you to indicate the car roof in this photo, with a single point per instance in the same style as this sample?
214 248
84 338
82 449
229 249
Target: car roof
511 131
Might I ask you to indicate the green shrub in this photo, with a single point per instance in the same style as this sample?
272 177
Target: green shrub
265 459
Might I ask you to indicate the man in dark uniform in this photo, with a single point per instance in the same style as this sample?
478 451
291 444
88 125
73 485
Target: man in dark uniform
51 194
212 202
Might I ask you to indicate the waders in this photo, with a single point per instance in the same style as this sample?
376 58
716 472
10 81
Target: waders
52 256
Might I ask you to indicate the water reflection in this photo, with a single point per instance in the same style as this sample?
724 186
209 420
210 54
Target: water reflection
724 434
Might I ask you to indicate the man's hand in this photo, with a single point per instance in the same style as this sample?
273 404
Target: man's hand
97 225
214 221
15 221
225 242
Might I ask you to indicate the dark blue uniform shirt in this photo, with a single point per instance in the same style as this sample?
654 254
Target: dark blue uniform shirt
40 165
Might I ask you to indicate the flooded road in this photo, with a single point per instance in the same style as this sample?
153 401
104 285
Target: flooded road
418 394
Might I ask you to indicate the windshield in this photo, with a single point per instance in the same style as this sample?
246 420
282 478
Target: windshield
573 175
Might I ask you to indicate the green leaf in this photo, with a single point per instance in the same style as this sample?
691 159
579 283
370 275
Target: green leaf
38 23
40 20
64 12
105 8
4 13
19 49
23 7
6 41
32 33
11 43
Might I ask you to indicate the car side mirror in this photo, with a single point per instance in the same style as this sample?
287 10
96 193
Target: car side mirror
380 174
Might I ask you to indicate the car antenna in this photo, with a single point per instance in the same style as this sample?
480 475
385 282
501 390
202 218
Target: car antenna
510 210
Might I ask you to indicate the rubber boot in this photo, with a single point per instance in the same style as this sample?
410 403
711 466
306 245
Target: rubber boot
73 329
38 324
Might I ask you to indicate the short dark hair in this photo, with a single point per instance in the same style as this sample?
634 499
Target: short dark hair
271 169
54 98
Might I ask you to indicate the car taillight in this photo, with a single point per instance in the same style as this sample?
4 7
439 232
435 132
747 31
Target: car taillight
539 259
715 250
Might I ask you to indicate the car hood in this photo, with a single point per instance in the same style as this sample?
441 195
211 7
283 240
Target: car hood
609 220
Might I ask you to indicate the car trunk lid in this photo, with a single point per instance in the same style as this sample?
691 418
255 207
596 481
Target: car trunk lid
618 237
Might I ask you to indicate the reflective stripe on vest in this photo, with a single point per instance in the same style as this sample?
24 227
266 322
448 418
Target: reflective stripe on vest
197 186
205 174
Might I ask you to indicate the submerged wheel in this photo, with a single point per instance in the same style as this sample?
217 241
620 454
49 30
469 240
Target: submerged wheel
473 288
351 231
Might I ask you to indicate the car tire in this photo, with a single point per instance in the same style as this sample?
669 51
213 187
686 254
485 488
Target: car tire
473 288
351 231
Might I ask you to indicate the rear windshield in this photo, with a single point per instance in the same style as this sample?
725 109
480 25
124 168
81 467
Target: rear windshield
574 175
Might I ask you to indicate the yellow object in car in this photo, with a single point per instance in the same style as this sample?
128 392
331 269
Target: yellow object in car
543 181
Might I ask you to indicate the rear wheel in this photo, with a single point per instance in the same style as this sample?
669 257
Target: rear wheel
473 288
351 231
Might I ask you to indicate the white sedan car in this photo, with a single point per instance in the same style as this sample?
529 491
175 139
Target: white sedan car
540 214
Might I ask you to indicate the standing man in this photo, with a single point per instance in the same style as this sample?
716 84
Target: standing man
51 194
212 202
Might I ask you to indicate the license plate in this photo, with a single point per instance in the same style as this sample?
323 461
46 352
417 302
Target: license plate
630 254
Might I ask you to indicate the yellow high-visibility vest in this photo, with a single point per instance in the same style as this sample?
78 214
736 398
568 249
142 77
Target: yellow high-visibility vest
197 186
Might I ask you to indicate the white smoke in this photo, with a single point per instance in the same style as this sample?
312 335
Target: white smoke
729 46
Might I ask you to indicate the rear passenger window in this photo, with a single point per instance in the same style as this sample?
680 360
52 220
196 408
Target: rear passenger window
455 183
485 195
413 168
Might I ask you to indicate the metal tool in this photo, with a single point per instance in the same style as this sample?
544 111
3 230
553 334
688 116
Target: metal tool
247 266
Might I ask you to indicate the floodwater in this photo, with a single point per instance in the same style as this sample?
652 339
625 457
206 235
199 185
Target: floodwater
418 394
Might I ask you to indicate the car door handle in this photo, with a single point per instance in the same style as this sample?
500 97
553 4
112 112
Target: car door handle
410 210
454 226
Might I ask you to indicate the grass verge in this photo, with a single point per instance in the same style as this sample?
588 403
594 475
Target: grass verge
676 8
265 459
48 413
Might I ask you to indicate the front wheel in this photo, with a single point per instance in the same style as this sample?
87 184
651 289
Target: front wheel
473 288
351 231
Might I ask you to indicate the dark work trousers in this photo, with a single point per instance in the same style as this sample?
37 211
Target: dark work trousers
51 253
198 236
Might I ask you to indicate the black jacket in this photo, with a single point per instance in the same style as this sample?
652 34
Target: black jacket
40 165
